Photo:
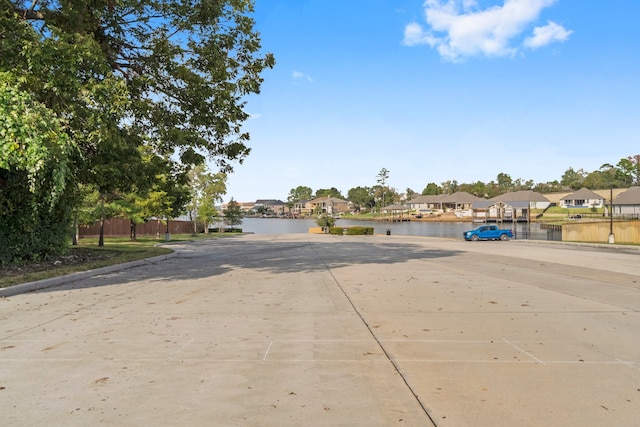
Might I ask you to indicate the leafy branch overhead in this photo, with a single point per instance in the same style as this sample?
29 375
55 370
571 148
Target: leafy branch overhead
187 65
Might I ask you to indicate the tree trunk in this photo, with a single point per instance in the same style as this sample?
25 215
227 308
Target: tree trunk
101 238
195 223
76 230
133 231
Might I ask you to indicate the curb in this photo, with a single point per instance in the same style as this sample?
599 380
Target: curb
57 281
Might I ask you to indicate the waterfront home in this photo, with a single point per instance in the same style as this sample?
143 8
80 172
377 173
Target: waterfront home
425 203
457 201
583 198
278 207
627 204
510 207
327 205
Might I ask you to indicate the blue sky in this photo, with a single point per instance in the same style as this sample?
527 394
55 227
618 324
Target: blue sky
439 90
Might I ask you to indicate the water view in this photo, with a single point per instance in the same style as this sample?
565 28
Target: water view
428 229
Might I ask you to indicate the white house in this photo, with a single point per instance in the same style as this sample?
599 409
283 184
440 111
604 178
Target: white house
583 198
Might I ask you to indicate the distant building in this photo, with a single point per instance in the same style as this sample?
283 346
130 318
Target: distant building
583 198
628 203
278 207
512 206
457 201
328 205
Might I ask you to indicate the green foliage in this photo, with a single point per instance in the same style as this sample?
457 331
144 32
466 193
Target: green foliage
206 189
187 66
329 192
232 230
359 231
431 189
573 179
449 187
326 221
410 194
32 140
171 76
351 231
362 197
233 213
30 227
298 194
629 170
382 176
34 174
381 190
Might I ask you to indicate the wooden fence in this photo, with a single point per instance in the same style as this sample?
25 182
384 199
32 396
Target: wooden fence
122 227
623 231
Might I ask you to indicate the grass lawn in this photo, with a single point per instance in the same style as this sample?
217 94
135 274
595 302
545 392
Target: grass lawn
574 211
88 255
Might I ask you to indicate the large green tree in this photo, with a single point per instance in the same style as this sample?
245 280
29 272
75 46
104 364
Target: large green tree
573 179
233 214
172 75
207 189
381 179
432 189
629 170
329 192
35 158
362 197
299 194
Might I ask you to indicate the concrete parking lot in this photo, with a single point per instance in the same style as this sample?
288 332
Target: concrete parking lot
319 330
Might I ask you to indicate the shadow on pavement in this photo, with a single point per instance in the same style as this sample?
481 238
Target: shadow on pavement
209 259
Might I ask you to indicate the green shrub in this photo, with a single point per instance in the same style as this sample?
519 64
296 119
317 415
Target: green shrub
359 231
326 221
30 230
336 230
351 231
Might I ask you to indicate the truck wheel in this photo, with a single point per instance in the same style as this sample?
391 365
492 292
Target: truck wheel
475 238
504 237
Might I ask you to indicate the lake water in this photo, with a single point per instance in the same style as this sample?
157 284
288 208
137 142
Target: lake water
429 229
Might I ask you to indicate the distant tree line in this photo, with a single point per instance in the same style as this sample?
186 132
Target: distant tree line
624 174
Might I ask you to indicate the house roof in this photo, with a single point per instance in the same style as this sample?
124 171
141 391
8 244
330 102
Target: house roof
460 197
395 208
629 197
583 193
429 198
520 196
269 202
483 204
327 199
457 197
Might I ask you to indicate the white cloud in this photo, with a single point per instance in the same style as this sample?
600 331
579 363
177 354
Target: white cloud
459 29
550 33
298 75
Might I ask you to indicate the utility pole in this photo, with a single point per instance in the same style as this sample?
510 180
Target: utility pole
611 236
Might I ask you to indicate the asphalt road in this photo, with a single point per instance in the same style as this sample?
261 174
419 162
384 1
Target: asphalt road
315 330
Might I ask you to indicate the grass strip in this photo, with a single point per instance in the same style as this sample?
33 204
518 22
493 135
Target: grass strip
87 255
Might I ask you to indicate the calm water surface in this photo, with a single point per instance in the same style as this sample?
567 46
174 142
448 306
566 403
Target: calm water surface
429 229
